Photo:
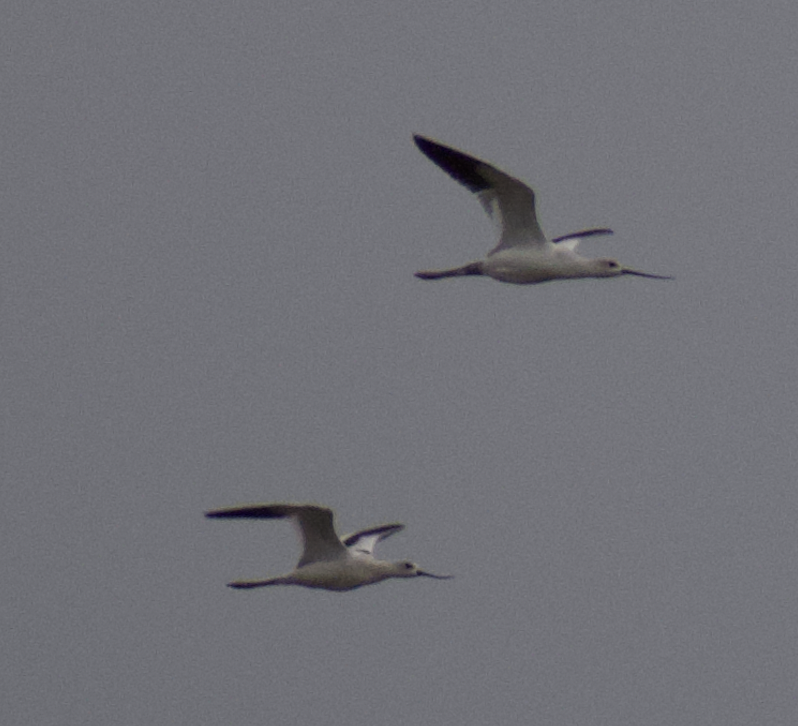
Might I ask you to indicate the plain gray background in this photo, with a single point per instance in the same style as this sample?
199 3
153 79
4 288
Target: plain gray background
212 212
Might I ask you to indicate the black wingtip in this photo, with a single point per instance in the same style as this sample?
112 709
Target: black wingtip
457 164
253 511
425 144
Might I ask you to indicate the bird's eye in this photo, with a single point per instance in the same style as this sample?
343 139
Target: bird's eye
408 565
612 264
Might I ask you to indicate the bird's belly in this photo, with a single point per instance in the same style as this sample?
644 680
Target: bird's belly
520 270
525 268
336 575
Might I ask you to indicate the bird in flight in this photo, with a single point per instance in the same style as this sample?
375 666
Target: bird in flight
523 254
328 562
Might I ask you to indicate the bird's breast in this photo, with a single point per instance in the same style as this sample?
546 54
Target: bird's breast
339 574
527 267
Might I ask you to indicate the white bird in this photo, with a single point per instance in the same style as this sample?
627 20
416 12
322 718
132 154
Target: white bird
523 254
327 561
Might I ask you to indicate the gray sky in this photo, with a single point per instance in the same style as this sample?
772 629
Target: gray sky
212 213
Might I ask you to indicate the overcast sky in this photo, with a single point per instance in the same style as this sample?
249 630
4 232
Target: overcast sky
212 212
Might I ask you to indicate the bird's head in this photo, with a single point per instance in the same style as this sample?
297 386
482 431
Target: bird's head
606 267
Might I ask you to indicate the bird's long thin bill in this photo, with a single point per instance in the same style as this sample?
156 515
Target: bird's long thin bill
437 577
645 274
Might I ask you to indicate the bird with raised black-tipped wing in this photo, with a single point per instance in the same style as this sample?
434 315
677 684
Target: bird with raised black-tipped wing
523 254
328 562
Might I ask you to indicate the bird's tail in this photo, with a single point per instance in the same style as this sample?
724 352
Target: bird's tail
473 268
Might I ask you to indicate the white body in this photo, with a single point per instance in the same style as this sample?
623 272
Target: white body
525 266
339 575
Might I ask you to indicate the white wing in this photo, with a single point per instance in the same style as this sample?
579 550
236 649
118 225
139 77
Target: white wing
362 543
320 543
508 202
